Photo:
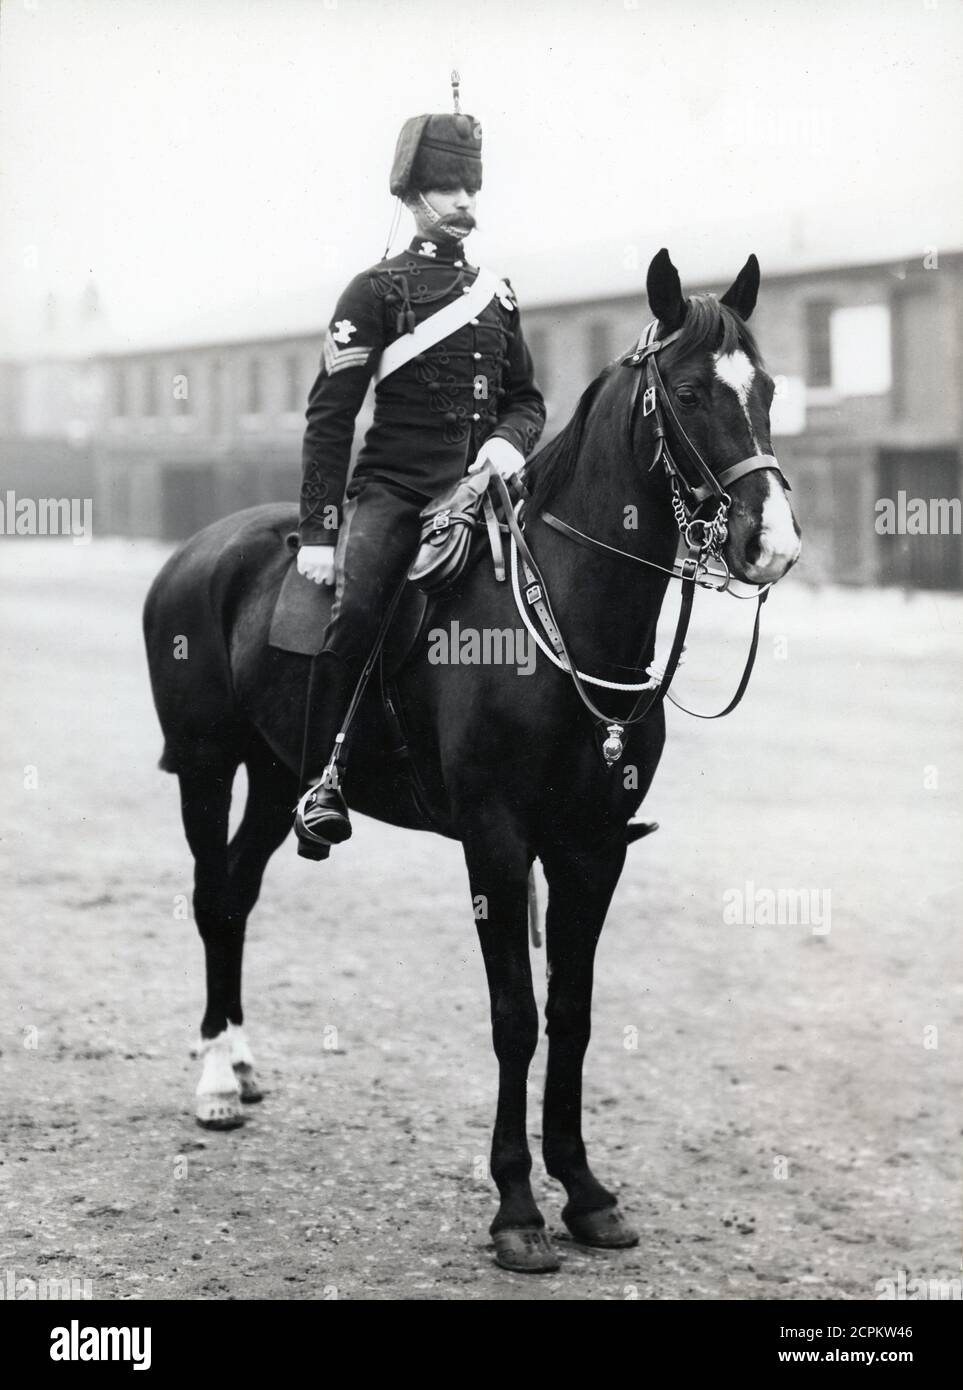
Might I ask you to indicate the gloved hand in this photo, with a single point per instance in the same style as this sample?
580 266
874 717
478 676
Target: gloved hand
503 457
316 562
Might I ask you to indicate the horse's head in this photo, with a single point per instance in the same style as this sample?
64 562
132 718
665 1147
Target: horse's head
720 393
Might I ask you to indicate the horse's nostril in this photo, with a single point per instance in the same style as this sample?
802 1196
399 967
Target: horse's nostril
753 547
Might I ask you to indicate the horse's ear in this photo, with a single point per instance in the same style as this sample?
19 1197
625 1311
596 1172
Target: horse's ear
741 294
664 289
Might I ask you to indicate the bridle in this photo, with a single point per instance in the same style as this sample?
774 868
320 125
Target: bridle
689 493
692 486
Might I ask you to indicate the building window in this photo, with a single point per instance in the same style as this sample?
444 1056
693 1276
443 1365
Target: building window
121 403
151 394
599 346
255 386
293 399
819 356
860 349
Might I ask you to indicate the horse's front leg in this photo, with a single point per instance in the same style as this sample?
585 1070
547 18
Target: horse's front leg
498 871
581 883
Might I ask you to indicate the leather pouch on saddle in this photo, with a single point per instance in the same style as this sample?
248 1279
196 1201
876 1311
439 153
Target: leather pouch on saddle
448 526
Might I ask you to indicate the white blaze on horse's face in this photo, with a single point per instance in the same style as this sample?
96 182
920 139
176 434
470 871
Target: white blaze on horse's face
737 372
777 540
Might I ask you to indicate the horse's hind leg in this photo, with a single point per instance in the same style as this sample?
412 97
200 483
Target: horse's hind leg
268 816
205 808
227 880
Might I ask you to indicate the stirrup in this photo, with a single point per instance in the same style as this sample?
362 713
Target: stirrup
321 820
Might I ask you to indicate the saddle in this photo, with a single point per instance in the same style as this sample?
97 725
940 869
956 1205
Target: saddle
451 526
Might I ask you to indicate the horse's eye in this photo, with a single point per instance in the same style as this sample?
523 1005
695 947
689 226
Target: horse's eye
686 396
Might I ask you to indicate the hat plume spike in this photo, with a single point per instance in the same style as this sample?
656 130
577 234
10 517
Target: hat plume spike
456 91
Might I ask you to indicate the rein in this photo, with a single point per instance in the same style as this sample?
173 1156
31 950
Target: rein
652 692
703 539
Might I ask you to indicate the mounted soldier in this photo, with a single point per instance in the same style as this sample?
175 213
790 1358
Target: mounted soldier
454 392
514 770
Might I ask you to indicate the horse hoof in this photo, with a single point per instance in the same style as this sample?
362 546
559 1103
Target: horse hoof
525 1251
606 1229
251 1092
219 1110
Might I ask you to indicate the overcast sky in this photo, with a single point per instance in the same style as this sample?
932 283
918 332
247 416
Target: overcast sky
193 154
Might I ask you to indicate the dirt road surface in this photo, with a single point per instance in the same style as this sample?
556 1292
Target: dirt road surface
776 1104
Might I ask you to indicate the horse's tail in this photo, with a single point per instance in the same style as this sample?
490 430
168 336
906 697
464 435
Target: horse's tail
154 627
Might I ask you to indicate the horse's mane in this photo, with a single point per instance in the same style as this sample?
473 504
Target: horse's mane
708 324
552 467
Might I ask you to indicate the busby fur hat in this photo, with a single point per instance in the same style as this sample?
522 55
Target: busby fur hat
440 151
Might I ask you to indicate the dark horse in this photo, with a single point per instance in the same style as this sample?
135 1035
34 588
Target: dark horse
512 768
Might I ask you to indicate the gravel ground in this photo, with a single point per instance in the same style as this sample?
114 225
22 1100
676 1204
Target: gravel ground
766 1098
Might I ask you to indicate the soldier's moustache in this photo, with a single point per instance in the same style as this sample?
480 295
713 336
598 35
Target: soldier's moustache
457 226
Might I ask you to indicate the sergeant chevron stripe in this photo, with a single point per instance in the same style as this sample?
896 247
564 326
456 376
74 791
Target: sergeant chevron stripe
337 359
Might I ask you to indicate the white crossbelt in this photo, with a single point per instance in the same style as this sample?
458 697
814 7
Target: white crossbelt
440 325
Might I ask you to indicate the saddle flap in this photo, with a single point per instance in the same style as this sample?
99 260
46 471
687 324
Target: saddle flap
302 611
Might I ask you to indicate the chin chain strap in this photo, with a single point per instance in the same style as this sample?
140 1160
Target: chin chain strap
436 220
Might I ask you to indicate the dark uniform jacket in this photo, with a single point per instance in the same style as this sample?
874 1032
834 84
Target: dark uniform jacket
431 415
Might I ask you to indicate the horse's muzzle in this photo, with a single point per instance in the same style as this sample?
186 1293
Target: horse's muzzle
764 540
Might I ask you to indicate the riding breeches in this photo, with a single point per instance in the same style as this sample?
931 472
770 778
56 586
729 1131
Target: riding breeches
377 543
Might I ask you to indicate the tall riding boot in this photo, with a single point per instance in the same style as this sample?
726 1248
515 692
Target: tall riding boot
322 813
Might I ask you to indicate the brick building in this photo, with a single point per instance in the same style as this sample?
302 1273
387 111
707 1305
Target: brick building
868 360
